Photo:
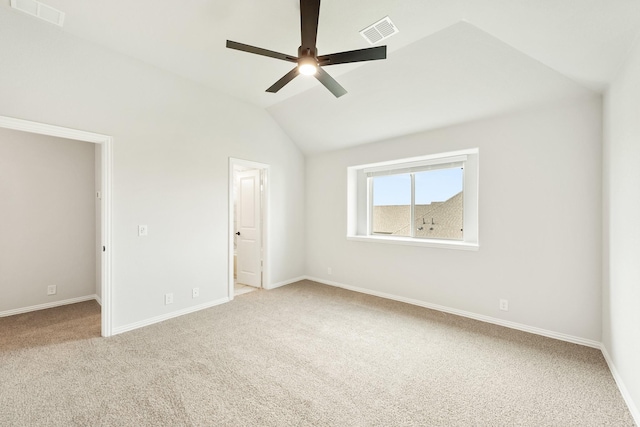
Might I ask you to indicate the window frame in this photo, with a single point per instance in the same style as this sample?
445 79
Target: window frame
360 198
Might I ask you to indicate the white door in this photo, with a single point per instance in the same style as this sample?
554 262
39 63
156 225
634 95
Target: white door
249 233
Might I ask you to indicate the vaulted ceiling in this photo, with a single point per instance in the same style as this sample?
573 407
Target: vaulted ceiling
453 60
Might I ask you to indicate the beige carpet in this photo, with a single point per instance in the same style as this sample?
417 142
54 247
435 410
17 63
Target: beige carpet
303 354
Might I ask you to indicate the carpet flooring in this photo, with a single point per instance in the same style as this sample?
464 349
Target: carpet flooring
304 354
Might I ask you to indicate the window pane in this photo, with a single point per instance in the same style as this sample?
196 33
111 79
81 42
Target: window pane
391 205
439 209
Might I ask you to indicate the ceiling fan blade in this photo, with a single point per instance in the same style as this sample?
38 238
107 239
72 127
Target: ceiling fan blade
369 54
259 51
284 80
309 14
328 82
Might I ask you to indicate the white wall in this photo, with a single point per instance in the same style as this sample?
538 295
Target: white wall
539 222
47 219
171 144
621 278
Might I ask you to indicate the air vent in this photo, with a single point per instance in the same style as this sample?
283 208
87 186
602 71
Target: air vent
383 29
39 10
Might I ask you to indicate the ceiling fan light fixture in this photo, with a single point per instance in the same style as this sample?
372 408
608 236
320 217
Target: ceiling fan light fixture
307 66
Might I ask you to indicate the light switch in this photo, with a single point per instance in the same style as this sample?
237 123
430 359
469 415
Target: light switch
142 230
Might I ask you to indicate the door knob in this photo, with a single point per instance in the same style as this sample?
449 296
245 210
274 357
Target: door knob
238 233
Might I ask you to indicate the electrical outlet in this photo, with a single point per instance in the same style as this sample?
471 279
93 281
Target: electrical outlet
142 230
504 305
329 271
195 292
168 299
52 289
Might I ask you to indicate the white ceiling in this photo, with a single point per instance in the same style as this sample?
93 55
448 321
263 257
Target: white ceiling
469 75
453 60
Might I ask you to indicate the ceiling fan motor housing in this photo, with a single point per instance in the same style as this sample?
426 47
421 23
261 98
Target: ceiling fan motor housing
302 52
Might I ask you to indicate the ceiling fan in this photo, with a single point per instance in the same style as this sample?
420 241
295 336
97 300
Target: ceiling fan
308 62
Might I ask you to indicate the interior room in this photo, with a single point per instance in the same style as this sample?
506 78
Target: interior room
437 225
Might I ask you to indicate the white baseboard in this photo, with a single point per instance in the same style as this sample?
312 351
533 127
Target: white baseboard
286 282
635 412
482 318
163 317
98 300
47 305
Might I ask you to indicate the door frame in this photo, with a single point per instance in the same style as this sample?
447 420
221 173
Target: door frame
265 219
106 143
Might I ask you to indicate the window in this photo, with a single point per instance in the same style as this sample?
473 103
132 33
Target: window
426 201
430 199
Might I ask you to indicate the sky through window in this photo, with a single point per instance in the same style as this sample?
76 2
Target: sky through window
431 186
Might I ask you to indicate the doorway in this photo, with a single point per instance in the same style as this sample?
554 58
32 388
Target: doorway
248 226
104 194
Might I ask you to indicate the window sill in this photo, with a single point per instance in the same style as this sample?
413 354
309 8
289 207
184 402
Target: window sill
408 241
